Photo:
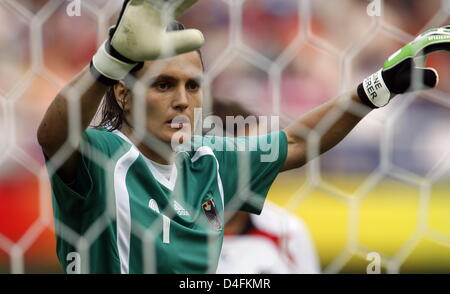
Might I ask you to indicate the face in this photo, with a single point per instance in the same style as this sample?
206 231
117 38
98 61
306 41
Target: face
173 92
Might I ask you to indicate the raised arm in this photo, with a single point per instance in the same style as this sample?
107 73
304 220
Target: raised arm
398 75
140 35
53 131
297 144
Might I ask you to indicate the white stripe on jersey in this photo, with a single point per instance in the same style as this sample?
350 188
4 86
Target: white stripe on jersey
123 214
206 150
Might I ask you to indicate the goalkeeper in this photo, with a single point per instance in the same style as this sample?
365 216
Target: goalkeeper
160 210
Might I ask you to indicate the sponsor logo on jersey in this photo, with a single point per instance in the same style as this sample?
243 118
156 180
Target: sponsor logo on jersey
179 209
210 210
176 206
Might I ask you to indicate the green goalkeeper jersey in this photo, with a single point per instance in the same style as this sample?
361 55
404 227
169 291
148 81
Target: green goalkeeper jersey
122 216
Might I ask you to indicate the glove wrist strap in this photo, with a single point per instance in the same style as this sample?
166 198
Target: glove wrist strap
108 69
373 91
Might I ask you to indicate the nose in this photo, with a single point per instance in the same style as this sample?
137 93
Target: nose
180 101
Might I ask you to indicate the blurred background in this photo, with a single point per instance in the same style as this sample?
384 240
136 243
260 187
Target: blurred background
384 189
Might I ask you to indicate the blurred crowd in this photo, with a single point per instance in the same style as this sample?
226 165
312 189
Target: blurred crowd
44 58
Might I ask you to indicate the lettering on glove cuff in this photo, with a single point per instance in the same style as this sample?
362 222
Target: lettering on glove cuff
376 90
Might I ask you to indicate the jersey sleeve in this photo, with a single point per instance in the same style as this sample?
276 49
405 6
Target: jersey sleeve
248 166
70 197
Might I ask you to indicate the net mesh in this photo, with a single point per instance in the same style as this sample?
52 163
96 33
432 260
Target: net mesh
277 58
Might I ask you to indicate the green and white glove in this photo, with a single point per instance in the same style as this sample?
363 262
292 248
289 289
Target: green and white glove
402 73
140 35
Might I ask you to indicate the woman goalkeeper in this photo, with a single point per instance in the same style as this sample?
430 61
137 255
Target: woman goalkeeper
143 206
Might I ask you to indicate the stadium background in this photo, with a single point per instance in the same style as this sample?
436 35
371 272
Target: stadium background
384 189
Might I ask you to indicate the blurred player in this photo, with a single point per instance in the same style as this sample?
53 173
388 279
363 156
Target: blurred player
275 242
156 209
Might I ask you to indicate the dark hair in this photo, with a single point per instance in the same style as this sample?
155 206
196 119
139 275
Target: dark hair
112 114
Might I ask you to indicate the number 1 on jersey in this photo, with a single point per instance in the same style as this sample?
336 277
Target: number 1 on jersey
166 221
166 229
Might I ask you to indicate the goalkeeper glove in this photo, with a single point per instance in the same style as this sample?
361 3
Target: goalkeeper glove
139 35
400 73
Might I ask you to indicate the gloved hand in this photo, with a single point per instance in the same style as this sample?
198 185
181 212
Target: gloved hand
140 35
402 71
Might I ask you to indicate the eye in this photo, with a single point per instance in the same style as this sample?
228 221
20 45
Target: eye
193 86
162 86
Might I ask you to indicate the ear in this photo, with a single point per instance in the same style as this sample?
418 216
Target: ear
123 96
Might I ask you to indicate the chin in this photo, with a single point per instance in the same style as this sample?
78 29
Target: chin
179 136
166 137
169 135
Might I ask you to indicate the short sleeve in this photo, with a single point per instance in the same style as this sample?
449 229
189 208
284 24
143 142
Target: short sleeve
70 198
248 166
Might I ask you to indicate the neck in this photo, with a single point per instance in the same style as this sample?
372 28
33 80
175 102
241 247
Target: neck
165 159
156 157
